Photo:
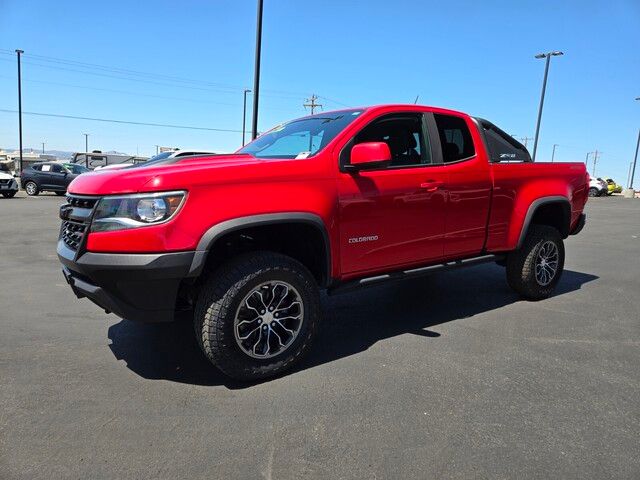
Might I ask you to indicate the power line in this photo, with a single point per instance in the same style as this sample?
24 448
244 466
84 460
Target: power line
127 74
333 101
128 122
125 92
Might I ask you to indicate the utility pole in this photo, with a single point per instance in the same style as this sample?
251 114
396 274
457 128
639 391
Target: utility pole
311 102
629 175
595 159
548 56
525 140
157 149
256 73
586 160
42 147
553 153
20 52
244 113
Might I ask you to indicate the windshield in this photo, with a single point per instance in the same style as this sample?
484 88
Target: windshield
300 138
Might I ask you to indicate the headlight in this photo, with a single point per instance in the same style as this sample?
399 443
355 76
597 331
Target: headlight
132 211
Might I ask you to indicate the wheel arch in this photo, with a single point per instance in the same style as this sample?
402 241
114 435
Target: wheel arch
236 227
554 211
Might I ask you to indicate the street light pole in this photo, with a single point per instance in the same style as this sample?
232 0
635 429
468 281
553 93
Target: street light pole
553 153
548 56
20 52
256 73
42 147
586 160
635 158
86 149
244 113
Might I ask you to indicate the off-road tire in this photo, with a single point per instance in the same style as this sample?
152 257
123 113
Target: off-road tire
218 302
9 194
521 263
34 191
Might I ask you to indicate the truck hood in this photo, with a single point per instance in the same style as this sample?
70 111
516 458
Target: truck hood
181 174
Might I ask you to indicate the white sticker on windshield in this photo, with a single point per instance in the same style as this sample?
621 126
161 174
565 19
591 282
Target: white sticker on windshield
302 155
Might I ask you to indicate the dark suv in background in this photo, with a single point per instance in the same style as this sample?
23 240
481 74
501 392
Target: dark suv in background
49 176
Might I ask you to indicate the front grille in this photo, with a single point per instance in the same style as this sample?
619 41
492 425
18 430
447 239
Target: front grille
76 218
82 202
4 181
72 233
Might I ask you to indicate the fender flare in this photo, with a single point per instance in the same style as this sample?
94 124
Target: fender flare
537 204
214 233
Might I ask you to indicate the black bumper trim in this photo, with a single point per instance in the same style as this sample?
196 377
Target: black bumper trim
140 287
580 225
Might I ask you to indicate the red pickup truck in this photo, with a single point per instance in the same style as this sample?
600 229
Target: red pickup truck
244 242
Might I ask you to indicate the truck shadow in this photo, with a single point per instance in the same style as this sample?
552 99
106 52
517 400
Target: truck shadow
352 323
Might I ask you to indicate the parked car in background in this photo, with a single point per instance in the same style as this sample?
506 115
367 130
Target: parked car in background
597 187
8 184
46 177
75 168
613 187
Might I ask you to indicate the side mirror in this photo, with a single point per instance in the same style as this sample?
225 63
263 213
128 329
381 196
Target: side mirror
369 155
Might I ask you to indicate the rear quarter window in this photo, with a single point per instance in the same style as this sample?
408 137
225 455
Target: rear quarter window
501 146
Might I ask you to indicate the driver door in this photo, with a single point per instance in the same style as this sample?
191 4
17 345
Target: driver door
394 216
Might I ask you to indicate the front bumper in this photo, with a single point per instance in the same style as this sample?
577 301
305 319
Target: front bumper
140 287
11 186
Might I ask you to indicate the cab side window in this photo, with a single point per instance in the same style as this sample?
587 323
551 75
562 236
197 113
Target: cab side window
403 134
57 168
455 138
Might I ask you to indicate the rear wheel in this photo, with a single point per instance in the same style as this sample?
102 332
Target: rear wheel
59 193
535 269
31 188
257 315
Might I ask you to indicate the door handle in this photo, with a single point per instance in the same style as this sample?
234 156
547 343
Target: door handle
431 186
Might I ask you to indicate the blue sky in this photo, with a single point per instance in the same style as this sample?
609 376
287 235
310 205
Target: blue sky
472 56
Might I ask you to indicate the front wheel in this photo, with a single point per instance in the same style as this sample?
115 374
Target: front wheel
31 188
535 268
257 315
9 194
593 192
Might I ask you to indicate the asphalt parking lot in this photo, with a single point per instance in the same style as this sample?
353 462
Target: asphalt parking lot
451 376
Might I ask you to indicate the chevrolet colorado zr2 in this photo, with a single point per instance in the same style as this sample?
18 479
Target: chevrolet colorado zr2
244 242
